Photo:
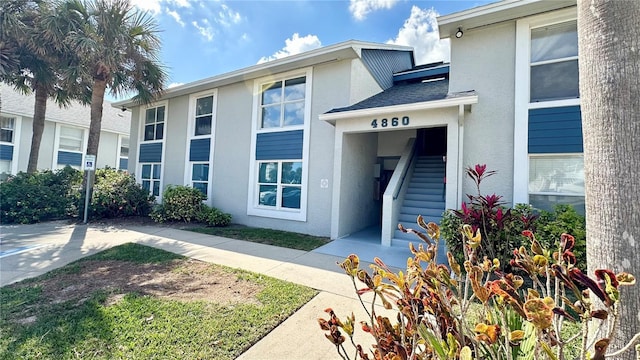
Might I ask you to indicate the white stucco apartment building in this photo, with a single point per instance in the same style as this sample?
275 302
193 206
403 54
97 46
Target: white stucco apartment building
355 135
65 135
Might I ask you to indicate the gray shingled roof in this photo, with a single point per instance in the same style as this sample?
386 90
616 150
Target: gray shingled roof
401 94
113 119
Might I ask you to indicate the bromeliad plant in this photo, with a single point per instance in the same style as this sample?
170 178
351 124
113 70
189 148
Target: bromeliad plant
475 310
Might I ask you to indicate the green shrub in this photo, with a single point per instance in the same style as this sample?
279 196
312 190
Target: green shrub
46 195
213 217
179 203
564 219
116 194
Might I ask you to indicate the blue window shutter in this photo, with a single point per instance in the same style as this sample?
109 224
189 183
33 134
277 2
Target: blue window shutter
200 150
151 153
6 152
69 158
281 145
555 130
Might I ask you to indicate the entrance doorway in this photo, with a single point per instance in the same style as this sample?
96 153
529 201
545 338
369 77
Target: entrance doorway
431 141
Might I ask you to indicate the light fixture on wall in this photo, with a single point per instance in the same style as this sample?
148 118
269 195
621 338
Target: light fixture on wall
459 33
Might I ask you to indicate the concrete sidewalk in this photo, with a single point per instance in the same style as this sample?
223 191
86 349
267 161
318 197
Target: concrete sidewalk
30 250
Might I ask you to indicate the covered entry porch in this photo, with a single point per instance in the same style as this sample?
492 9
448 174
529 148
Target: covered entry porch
366 204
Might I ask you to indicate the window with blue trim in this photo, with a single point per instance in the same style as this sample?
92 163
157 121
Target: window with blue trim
282 103
150 177
154 123
279 144
7 131
70 146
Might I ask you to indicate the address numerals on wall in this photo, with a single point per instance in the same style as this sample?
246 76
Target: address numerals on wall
393 122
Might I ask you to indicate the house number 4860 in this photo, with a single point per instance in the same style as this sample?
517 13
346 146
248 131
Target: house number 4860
393 122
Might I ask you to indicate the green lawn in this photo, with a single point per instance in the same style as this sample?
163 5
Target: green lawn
267 236
137 325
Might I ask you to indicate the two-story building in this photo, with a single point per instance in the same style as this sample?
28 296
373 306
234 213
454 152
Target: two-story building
65 134
356 135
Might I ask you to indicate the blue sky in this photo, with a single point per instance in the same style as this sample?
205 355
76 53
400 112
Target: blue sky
203 38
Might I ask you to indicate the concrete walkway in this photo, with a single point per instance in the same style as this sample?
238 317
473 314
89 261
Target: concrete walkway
30 250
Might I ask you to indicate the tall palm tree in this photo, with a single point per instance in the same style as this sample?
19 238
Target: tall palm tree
118 49
31 52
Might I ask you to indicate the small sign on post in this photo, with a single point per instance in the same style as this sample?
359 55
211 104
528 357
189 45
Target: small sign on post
90 162
89 166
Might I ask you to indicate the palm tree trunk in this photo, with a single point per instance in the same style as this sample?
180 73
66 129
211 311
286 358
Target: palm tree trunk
39 111
609 43
97 99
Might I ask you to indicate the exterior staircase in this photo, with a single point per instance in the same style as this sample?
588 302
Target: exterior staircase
425 196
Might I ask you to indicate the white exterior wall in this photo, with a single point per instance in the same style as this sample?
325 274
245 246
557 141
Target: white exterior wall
391 143
108 150
175 138
484 60
134 141
357 208
232 146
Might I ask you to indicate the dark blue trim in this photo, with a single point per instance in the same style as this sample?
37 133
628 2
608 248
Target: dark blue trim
69 158
283 145
151 153
6 152
124 164
422 73
555 130
200 150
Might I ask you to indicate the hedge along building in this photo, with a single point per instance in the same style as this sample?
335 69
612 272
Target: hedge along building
351 136
65 134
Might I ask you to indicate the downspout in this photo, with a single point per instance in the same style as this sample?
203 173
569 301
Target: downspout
460 155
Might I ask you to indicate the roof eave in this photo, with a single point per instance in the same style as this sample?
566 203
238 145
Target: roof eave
378 111
495 13
345 50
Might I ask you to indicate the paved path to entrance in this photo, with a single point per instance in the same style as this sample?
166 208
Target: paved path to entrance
30 250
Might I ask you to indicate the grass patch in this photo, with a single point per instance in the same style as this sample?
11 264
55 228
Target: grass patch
138 325
267 236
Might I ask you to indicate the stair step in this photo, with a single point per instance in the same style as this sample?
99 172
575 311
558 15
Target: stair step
423 197
426 191
415 211
427 204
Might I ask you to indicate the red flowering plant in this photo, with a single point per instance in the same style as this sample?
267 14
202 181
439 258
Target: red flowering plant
500 226
442 312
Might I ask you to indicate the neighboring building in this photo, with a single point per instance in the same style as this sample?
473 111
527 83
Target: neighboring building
351 136
65 135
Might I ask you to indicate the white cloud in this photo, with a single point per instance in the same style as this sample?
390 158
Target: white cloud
294 45
228 16
152 6
420 30
174 84
204 29
181 3
360 8
174 14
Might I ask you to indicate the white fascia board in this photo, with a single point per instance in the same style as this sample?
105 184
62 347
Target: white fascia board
495 13
378 111
345 50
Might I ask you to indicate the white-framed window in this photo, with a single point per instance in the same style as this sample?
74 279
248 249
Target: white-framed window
7 139
546 76
70 145
282 116
200 176
554 62
556 179
282 103
123 152
200 143
154 119
71 139
280 184
203 116
150 176
7 129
